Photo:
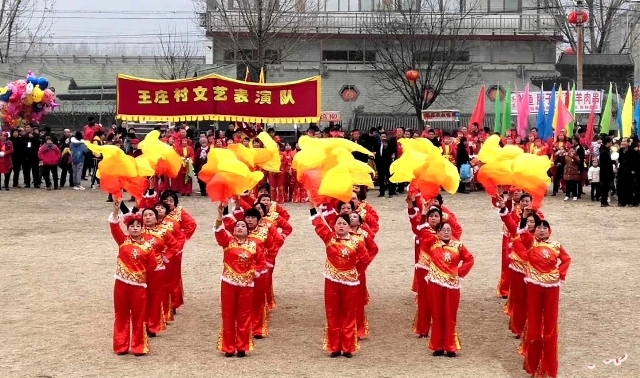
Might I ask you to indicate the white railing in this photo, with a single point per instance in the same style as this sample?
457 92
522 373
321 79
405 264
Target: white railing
361 22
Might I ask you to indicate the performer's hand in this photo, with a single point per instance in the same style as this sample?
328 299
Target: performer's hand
116 206
526 212
220 210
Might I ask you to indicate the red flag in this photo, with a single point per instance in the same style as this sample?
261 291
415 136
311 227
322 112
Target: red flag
563 117
590 125
478 112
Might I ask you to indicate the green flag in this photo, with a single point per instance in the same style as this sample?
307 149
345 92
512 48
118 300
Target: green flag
506 114
572 110
605 120
496 118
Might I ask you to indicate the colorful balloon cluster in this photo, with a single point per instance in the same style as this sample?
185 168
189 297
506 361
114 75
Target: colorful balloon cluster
230 172
423 166
27 100
118 170
327 169
511 166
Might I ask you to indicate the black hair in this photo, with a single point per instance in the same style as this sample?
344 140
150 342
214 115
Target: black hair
350 203
441 224
253 212
167 210
525 195
261 196
169 193
543 223
439 199
265 186
434 210
345 217
152 209
362 193
78 135
264 208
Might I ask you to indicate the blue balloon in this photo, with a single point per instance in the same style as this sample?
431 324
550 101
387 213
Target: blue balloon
5 96
43 83
33 80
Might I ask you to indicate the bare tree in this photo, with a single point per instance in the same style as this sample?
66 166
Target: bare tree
178 56
260 32
23 26
430 37
610 28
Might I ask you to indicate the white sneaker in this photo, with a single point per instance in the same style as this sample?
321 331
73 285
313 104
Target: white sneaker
566 198
82 188
76 188
575 198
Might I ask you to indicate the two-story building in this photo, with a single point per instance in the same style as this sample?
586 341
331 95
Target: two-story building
509 42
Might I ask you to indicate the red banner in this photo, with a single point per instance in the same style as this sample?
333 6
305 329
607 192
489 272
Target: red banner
218 98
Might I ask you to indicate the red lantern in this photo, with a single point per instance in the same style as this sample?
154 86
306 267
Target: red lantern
412 75
573 17
569 51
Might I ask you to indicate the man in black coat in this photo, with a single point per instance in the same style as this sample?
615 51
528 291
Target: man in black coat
606 171
31 162
385 154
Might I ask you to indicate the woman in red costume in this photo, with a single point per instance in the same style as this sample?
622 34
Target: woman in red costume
516 307
502 289
184 183
346 256
166 246
273 217
449 263
188 226
547 266
268 241
241 257
287 180
246 201
367 212
135 258
365 237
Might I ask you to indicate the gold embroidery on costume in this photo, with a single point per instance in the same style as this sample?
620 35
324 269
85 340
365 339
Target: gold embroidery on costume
350 275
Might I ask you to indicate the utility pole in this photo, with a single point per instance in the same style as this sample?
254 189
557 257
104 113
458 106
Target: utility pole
580 47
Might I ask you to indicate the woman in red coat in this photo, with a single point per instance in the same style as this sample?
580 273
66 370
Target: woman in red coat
449 263
6 165
188 226
241 257
346 256
135 258
183 182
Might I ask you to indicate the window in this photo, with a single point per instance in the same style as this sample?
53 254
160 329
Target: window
253 4
270 56
406 4
349 5
348 56
442 56
505 5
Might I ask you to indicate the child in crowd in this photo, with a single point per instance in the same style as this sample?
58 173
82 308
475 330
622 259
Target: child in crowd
593 175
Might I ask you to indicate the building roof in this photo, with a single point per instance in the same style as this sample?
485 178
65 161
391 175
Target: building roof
609 60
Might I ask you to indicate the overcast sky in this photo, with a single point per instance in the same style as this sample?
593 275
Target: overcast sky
135 23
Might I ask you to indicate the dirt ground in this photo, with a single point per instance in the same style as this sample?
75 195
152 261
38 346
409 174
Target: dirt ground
56 285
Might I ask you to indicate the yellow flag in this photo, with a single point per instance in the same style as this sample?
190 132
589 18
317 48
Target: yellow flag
559 98
627 114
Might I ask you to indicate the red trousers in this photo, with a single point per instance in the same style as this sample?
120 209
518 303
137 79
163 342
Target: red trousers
276 180
517 303
340 303
156 293
180 186
503 284
444 312
236 305
289 186
271 297
414 285
259 316
130 325
175 282
541 357
363 301
422 320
